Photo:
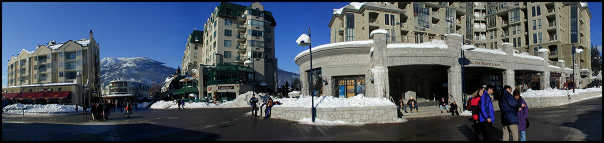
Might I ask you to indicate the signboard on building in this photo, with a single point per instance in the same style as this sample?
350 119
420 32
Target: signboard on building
485 64
225 87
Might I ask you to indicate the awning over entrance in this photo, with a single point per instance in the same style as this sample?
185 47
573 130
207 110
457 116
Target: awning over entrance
9 96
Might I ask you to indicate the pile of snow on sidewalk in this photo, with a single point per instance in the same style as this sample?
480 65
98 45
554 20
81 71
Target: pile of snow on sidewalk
241 101
332 102
40 108
557 92
294 94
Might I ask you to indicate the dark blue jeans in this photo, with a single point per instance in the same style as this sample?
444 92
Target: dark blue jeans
268 112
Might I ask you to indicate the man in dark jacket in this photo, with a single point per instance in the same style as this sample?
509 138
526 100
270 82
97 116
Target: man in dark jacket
487 114
253 103
509 108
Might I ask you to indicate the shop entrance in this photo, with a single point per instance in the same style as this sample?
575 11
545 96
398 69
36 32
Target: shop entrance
554 80
429 82
526 79
475 77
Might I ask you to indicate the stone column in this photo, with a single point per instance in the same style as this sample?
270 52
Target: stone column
577 70
544 53
379 69
509 74
454 42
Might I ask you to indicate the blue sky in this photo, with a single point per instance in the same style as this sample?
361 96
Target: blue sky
159 30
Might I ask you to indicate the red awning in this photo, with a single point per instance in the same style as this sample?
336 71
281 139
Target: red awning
9 95
56 95
32 95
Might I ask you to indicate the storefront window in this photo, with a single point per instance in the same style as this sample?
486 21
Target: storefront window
317 81
349 86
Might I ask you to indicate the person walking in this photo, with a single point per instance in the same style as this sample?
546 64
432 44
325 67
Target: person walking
475 108
509 108
487 115
522 115
253 103
269 105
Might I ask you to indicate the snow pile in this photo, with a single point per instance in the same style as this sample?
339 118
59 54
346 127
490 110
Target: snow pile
333 102
378 31
39 108
543 50
303 39
327 122
526 55
466 113
557 92
294 94
167 83
365 43
242 100
432 44
482 50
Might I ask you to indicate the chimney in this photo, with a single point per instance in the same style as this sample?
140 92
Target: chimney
90 34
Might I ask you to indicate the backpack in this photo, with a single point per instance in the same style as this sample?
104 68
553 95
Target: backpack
475 107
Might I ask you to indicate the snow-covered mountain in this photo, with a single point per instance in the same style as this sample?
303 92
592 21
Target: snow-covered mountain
140 69
286 76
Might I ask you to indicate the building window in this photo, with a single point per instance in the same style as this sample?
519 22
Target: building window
42 77
419 37
540 37
534 38
514 41
255 33
519 42
70 55
22 62
227 43
423 15
256 23
60 74
227 22
214 34
70 65
392 20
533 11
538 10
573 24
534 24
386 19
227 32
349 27
227 54
539 23
70 75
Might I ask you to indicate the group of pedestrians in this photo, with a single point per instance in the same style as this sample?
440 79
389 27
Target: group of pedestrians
411 104
268 102
514 113
101 110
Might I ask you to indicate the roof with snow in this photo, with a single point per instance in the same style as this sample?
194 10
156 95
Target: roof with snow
366 43
46 84
482 50
432 44
526 55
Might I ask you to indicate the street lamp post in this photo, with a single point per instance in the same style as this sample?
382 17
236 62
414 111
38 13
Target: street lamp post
301 42
251 61
463 61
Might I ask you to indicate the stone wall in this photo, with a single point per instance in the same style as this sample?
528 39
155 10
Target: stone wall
375 114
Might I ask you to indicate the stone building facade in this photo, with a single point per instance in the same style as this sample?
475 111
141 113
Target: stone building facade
234 34
56 65
528 26
381 65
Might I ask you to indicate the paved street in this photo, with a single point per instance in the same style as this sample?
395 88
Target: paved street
577 121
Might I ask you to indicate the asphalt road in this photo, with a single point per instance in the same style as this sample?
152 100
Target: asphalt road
576 122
